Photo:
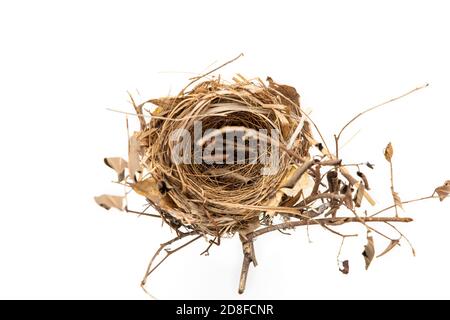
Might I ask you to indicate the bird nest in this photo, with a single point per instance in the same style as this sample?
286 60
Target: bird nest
223 157
226 136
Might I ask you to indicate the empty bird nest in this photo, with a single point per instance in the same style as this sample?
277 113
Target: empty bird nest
222 158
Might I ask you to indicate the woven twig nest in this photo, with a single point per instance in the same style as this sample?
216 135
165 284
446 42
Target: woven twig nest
222 158
210 192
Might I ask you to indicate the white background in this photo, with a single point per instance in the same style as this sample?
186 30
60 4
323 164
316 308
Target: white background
63 63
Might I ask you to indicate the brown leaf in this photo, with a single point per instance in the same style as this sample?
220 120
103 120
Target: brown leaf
391 246
151 189
299 186
108 201
333 181
359 194
345 267
389 152
443 191
290 94
284 124
274 202
369 251
117 164
348 201
364 179
397 200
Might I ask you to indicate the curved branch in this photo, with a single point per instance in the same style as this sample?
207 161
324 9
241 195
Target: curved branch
168 252
324 221
379 105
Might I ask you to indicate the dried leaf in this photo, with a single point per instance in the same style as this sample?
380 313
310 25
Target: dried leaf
108 201
391 246
274 202
369 198
348 201
389 152
397 200
370 165
284 124
290 94
364 179
150 189
369 251
333 181
117 164
134 148
359 194
443 191
345 267
300 185
296 179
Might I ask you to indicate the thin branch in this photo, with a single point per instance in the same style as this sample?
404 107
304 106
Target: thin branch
392 187
403 202
195 79
340 251
332 162
312 198
378 232
138 109
129 113
298 173
285 233
403 236
168 252
317 181
380 105
215 241
346 143
369 227
324 221
336 143
249 256
143 213
338 233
